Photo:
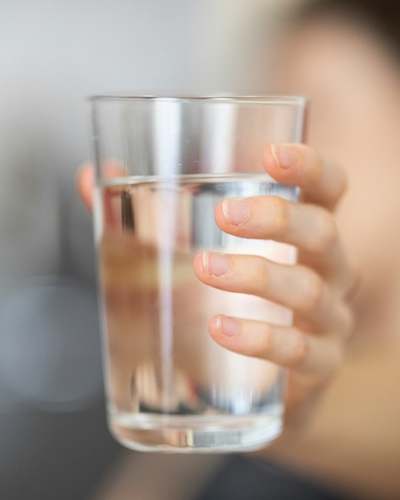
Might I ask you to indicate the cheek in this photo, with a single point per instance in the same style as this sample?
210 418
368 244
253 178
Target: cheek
370 231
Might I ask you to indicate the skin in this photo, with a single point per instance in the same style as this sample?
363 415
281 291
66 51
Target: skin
316 289
352 441
342 423
354 87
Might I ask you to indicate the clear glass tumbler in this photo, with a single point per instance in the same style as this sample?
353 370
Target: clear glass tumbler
162 165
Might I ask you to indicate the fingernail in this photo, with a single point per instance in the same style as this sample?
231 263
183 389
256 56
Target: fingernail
284 156
215 264
228 326
236 211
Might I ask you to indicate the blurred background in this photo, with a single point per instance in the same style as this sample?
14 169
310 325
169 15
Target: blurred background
53 54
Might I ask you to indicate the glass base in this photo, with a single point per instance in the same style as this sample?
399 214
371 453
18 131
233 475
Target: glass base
191 434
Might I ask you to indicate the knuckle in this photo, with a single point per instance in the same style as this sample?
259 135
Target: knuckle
280 210
333 357
312 292
330 361
299 351
327 234
265 343
340 180
261 283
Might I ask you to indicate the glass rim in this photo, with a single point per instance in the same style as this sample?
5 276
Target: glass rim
233 99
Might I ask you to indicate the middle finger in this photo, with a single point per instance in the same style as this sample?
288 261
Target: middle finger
311 228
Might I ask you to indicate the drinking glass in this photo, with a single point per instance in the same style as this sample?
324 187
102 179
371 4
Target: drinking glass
162 166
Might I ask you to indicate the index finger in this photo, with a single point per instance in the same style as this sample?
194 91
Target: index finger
321 181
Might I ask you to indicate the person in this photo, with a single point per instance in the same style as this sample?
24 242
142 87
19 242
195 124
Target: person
342 351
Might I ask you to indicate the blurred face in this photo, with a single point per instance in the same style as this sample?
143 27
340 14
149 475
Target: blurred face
354 88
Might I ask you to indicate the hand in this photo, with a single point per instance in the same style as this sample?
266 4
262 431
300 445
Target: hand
316 289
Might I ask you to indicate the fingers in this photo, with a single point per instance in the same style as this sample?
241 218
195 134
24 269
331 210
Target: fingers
309 227
286 346
268 217
316 294
297 287
320 180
